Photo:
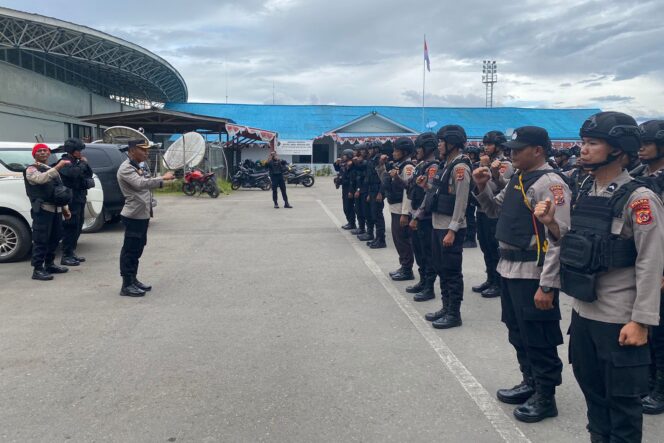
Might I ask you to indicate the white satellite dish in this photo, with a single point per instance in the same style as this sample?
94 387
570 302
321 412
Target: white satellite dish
120 135
431 124
509 132
187 150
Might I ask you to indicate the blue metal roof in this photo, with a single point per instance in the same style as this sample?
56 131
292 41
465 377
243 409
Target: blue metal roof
306 122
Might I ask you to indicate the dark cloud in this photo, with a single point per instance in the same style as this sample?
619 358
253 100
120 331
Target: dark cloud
613 98
451 100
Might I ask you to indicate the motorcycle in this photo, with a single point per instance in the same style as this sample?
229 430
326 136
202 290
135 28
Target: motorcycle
197 181
247 178
296 176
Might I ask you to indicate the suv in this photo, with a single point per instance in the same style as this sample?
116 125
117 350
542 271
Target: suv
15 219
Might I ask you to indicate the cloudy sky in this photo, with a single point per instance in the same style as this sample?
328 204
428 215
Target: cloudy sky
550 53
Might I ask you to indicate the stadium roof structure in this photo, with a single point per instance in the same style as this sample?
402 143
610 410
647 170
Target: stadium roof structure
87 58
160 121
308 122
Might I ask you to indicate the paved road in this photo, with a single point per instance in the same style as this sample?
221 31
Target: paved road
264 325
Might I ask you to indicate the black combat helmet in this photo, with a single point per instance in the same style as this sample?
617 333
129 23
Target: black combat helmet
452 134
494 137
427 141
618 129
405 145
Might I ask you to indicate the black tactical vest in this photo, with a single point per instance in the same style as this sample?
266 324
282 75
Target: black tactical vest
393 191
360 176
416 193
590 247
44 193
440 200
373 180
517 224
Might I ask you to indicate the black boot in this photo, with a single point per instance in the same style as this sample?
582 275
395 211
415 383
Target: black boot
481 287
517 394
276 206
433 316
348 226
358 231
129 289
52 268
596 437
366 236
378 244
403 275
288 206
78 257
417 287
41 274
392 273
69 260
491 292
653 403
537 408
426 293
451 319
142 286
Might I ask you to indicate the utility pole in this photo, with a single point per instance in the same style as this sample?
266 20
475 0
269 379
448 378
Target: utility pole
489 78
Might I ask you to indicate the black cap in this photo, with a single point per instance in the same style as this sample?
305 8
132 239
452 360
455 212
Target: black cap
138 143
529 136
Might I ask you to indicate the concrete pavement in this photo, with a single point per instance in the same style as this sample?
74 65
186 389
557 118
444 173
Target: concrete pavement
263 325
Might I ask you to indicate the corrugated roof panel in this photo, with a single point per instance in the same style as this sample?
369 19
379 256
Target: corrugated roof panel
305 122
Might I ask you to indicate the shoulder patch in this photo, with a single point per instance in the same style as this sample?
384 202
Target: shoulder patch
503 167
431 172
460 173
558 194
642 212
408 170
31 169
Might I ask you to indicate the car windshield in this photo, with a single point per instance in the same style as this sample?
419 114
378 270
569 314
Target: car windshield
16 160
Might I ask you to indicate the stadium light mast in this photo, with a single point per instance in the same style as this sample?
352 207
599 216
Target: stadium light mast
489 78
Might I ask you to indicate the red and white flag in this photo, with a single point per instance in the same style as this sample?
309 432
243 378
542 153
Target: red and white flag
426 55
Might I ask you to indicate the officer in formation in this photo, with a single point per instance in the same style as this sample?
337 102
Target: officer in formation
361 192
77 176
375 203
136 213
562 159
611 264
344 166
473 153
447 200
529 266
49 199
276 168
501 172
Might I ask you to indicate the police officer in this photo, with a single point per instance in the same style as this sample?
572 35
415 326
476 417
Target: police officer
447 198
136 214
276 168
473 153
344 166
361 191
501 172
77 176
373 201
611 264
651 155
562 157
49 200
529 267
395 181
376 197
426 145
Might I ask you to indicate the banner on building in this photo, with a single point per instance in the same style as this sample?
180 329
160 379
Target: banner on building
295 147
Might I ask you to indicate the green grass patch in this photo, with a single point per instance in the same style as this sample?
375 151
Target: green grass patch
175 187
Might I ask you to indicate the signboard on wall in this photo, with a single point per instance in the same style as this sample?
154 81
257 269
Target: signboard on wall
295 147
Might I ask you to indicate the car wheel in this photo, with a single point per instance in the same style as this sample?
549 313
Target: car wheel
15 239
94 224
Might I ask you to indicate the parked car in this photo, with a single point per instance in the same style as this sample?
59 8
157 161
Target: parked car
15 219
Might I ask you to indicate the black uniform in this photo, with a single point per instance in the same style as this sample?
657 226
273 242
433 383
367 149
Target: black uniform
361 205
77 176
276 169
345 179
375 208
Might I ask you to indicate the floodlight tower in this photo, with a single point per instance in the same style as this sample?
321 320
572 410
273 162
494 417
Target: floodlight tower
489 78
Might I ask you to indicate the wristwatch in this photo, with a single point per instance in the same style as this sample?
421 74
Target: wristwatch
546 289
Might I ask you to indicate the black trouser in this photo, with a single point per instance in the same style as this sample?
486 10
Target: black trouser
401 238
448 263
71 229
422 249
534 333
471 223
657 341
377 217
359 210
135 239
349 208
46 234
486 234
278 181
613 378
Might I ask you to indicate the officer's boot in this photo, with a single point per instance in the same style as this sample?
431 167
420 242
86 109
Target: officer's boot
348 226
52 268
452 317
393 273
427 292
596 437
653 403
69 260
129 289
483 286
78 257
494 288
379 243
40 273
417 287
403 274
537 408
433 316
142 286
519 393
359 230
368 235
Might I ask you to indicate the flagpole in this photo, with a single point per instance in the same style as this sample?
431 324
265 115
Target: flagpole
424 76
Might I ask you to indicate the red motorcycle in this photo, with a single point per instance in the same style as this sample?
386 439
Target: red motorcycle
197 181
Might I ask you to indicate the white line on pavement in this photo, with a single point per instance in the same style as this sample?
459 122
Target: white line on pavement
487 404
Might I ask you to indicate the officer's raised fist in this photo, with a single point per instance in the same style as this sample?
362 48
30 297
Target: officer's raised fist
481 175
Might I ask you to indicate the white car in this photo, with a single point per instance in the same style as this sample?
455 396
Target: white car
15 219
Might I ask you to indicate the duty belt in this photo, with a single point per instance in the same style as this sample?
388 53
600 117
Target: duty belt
517 255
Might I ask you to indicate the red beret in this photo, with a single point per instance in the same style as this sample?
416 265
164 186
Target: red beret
39 146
